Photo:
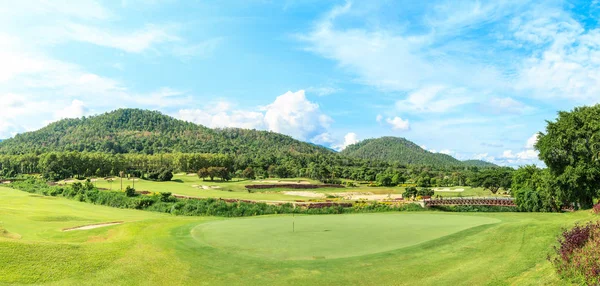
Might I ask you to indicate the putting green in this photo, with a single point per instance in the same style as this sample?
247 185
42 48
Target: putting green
330 236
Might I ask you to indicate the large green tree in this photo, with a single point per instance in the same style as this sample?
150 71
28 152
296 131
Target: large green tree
570 147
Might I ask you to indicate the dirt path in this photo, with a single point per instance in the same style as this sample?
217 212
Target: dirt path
92 226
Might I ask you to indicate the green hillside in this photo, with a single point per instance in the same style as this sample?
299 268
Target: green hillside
149 132
479 163
394 149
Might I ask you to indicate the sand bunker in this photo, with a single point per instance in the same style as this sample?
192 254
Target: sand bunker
346 196
92 226
6 182
282 182
305 194
449 190
205 187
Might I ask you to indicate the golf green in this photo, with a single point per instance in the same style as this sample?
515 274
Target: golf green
330 236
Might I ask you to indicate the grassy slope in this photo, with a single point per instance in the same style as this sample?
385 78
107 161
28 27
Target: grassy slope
153 248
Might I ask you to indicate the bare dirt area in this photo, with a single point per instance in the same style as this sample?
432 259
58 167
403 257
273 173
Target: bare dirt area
448 190
6 182
92 226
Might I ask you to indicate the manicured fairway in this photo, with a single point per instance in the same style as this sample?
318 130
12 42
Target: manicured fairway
333 236
158 249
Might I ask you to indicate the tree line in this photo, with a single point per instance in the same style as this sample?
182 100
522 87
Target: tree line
55 166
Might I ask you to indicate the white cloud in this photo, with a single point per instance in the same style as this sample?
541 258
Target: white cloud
446 151
567 64
398 123
501 105
291 113
484 157
525 156
203 49
220 114
323 90
75 110
379 118
435 99
349 139
532 141
132 41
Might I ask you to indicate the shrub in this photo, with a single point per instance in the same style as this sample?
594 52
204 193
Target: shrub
576 256
410 192
161 175
130 192
425 192
596 208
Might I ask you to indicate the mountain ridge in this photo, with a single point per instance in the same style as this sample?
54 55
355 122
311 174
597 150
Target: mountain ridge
397 149
148 132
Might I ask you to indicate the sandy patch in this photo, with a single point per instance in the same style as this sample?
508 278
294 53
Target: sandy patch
6 182
305 194
367 196
70 181
282 182
192 174
346 196
92 226
205 187
448 190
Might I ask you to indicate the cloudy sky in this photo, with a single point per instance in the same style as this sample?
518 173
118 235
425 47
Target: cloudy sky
473 79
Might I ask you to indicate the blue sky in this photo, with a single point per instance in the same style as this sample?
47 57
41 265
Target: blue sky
474 79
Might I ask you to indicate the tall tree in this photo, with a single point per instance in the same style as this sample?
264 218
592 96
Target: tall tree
570 147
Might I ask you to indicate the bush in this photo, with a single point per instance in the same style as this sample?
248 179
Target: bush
162 175
425 192
410 192
130 192
576 257
596 208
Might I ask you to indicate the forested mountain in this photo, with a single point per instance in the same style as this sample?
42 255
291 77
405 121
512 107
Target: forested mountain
136 131
400 150
479 163
149 132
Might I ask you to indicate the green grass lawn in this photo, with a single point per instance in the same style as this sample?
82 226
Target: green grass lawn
294 238
425 248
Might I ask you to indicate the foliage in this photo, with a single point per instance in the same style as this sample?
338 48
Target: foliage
410 192
425 192
570 148
534 191
577 253
130 192
162 175
493 179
